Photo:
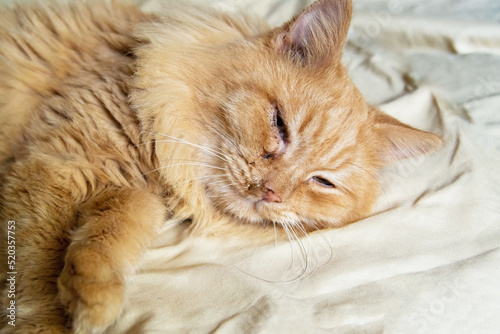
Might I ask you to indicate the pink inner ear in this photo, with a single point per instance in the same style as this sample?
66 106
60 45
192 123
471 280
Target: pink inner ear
300 31
317 36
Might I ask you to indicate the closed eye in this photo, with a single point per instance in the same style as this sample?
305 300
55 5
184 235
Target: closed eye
279 123
280 131
323 182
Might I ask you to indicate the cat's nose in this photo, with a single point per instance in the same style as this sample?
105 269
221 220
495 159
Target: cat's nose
270 196
265 193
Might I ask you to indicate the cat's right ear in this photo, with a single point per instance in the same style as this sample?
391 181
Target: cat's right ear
316 37
399 141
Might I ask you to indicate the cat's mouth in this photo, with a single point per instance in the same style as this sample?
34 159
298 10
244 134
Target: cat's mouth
252 204
247 198
263 205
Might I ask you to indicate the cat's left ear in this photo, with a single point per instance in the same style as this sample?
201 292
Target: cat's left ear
317 36
399 141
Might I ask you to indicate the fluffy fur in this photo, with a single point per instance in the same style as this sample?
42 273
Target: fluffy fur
114 120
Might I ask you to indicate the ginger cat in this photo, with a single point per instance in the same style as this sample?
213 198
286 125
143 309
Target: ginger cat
113 120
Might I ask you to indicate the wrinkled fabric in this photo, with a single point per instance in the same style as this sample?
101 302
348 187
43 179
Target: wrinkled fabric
426 261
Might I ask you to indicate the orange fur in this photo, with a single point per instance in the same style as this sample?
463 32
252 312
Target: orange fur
116 119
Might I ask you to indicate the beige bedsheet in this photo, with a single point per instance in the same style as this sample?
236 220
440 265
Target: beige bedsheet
427 261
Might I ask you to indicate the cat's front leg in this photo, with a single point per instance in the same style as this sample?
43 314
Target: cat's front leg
116 227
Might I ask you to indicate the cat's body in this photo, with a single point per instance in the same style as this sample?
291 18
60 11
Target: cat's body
113 119
67 134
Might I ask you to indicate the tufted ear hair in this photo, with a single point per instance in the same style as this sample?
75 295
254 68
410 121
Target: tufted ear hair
317 36
400 141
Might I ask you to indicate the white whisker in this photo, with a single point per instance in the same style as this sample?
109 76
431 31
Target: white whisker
303 252
217 182
172 139
205 149
330 257
308 257
224 187
199 178
289 237
184 164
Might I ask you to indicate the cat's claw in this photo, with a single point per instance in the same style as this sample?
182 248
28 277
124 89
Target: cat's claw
91 290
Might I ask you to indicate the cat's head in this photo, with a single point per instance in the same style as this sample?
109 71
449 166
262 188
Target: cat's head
277 131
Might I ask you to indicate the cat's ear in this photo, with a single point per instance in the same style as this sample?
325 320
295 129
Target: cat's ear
400 141
317 36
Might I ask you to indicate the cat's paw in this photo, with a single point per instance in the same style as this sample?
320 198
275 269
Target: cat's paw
90 289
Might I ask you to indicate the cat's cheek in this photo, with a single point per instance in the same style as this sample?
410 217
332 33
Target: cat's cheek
317 207
240 208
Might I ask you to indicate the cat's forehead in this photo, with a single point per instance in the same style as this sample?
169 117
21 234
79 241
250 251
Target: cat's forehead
326 137
321 109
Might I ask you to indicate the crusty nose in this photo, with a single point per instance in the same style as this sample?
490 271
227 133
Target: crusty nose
264 193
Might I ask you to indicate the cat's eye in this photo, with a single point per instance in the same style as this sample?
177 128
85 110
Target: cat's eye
279 123
279 126
323 182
